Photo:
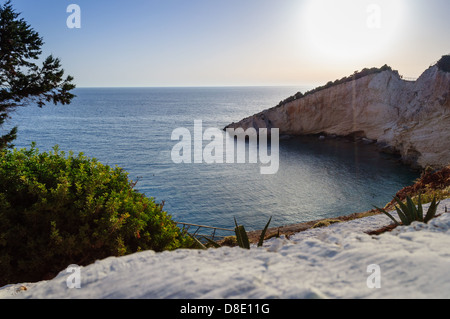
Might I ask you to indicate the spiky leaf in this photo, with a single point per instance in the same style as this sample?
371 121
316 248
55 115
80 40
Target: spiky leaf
406 212
412 209
241 237
420 209
431 213
387 214
263 233
405 220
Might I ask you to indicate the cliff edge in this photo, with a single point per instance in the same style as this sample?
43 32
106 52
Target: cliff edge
411 118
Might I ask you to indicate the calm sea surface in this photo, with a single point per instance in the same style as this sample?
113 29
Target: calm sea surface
132 128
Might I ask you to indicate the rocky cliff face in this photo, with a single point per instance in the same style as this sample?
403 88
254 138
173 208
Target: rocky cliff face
411 118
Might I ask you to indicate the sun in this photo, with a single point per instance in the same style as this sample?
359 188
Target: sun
351 29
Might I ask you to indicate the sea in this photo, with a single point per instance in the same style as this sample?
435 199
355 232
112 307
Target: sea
132 128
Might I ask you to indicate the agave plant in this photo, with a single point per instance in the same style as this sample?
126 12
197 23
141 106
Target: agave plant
409 213
242 238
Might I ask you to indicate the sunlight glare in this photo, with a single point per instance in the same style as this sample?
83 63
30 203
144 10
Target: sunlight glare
351 29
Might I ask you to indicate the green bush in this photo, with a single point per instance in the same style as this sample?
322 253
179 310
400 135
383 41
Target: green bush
57 210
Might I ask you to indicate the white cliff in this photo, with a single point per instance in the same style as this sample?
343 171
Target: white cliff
412 118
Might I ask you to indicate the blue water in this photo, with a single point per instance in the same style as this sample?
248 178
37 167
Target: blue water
132 127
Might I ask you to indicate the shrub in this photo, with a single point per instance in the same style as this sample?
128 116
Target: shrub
444 63
356 75
326 223
57 210
431 184
230 241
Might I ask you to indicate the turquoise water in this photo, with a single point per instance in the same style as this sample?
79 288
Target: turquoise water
132 127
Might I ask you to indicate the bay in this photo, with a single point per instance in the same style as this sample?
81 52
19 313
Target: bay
132 127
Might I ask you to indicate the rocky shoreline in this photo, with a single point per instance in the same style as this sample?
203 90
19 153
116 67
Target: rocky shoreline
408 118
431 183
292 229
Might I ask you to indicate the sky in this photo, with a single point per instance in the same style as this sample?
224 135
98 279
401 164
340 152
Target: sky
148 43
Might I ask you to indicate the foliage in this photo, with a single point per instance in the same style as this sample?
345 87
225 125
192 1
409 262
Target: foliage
263 233
229 241
430 194
431 184
326 223
242 238
57 210
356 75
196 242
409 213
444 63
22 81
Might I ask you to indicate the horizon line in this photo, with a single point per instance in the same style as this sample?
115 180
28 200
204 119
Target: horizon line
193 86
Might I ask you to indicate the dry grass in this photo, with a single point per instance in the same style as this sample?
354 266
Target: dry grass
430 184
